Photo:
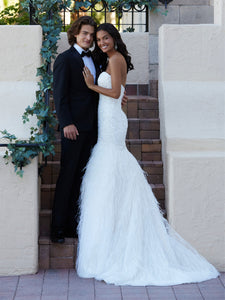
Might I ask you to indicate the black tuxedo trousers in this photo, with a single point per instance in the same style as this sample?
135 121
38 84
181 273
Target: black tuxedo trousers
74 157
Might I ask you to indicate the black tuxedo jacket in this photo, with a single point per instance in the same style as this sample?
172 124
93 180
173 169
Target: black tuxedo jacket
75 103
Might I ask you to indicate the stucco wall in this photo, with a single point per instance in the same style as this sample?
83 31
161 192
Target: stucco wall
179 12
19 59
192 117
137 45
18 220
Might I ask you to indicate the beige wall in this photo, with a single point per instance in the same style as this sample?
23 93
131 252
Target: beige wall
179 12
18 220
19 59
192 117
137 45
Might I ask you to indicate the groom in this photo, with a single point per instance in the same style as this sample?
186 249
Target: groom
76 108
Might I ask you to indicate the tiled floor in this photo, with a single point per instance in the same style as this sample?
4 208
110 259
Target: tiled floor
66 285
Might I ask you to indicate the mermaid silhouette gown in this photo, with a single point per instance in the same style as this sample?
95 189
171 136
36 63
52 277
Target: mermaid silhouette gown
123 237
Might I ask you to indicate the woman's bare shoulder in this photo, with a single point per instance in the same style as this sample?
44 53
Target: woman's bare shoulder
117 58
118 62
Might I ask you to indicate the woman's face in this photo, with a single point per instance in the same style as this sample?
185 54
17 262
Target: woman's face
105 41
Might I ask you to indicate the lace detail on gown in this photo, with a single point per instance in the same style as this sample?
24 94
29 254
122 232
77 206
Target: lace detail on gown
123 237
112 120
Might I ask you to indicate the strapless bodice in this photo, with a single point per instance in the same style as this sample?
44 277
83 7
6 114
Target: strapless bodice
104 80
112 122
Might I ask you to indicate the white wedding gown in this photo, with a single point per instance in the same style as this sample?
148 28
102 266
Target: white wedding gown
123 237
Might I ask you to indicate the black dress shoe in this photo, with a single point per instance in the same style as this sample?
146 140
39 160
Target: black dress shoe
71 234
58 237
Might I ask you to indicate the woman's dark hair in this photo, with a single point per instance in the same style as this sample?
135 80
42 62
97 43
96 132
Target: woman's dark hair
76 27
101 58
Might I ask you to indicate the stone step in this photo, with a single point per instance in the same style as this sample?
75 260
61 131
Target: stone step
50 172
142 149
143 128
45 222
47 199
138 129
154 170
159 192
136 107
57 256
48 190
47 196
145 149
152 167
141 107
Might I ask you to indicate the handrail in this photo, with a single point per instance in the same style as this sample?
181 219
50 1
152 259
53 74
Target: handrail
29 145
23 145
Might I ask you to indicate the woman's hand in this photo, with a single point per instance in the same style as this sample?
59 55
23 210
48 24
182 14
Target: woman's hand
124 99
88 77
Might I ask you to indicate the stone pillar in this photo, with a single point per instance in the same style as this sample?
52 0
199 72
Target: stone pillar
219 12
179 12
192 118
19 59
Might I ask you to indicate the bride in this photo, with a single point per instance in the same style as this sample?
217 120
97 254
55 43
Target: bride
123 237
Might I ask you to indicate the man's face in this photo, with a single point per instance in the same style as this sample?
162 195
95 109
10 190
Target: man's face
85 37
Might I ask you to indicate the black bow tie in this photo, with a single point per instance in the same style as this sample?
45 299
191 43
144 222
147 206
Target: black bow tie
88 53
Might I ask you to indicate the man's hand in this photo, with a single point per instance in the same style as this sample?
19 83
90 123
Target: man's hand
70 132
124 99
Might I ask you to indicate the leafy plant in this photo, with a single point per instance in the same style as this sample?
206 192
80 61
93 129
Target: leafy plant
129 29
41 137
14 15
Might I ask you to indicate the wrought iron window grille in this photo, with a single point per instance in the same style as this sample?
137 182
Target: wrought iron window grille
131 9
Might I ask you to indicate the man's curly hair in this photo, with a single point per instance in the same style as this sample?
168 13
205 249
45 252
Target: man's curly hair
76 27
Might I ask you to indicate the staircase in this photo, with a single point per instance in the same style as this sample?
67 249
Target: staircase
143 141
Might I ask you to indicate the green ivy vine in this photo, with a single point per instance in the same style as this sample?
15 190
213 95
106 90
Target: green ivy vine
42 137
47 12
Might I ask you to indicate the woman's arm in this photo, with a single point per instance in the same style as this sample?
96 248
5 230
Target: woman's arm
116 79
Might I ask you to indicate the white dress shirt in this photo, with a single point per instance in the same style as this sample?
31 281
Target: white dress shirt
88 61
